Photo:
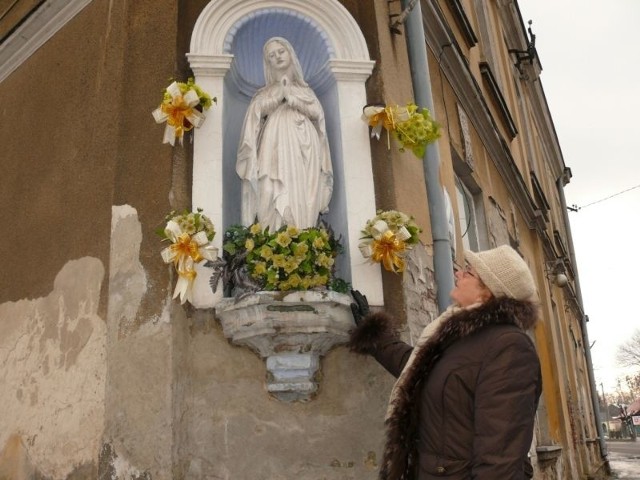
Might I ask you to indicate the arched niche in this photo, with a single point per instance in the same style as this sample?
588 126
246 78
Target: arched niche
226 58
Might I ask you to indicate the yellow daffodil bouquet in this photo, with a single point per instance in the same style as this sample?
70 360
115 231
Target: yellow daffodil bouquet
387 237
288 259
190 234
411 126
183 107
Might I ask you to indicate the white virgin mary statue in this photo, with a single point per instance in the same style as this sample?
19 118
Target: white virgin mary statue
283 156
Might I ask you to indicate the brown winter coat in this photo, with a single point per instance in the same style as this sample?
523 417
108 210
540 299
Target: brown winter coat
466 406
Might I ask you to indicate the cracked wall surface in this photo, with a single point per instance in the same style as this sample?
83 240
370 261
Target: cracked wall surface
52 372
138 400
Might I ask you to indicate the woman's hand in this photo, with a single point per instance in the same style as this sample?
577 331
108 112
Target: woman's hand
360 308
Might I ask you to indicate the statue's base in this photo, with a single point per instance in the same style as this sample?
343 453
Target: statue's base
291 330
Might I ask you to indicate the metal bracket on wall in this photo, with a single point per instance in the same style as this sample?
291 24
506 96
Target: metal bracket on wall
397 19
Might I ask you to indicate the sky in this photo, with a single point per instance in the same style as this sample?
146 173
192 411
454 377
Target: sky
591 78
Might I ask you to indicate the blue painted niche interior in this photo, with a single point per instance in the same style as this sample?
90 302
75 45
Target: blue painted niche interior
245 41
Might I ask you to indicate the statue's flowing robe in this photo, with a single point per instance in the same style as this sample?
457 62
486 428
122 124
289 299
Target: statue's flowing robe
284 160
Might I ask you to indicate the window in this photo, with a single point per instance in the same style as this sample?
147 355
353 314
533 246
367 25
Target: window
471 222
467 222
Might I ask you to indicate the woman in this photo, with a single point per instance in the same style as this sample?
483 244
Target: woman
466 397
283 157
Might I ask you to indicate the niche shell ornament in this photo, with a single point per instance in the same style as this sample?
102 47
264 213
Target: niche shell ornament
182 108
387 237
412 126
190 234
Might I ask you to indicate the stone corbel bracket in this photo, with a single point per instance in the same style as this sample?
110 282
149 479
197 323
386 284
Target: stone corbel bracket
291 330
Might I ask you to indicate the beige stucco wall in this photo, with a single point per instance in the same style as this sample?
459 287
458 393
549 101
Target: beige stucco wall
80 141
53 374
85 345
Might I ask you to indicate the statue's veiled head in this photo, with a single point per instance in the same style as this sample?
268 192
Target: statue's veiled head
280 59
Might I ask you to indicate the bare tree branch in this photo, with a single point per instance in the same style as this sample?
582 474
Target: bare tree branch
628 354
633 385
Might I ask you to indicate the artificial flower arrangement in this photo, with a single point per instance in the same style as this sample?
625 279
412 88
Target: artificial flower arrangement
183 108
387 237
412 126
287 259
190 234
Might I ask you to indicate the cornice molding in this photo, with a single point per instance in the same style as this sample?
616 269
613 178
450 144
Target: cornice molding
498 99
350 70
209 65
39 27
542 117
461 18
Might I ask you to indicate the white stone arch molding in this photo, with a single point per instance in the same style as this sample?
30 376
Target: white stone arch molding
350 65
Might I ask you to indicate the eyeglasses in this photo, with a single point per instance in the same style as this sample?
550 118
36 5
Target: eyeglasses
465 271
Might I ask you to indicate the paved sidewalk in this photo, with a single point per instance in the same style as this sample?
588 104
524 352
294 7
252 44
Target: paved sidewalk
624 459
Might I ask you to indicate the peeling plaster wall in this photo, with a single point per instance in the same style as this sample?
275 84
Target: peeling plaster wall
52 372
127 279
419 289
139 416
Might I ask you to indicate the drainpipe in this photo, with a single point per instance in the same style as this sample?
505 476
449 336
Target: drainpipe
560 183
442 261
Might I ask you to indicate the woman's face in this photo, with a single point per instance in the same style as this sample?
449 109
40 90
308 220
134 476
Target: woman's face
278 56
469 288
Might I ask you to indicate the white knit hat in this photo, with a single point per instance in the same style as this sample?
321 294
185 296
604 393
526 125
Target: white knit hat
504 272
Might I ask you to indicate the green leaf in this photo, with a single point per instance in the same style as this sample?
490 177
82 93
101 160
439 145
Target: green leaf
160 232
419 151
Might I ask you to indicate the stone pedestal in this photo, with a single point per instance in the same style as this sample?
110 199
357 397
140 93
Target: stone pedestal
291 330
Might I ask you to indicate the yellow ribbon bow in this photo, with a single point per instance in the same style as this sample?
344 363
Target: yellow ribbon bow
185 251
179 113
388 117
388 250
184 247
